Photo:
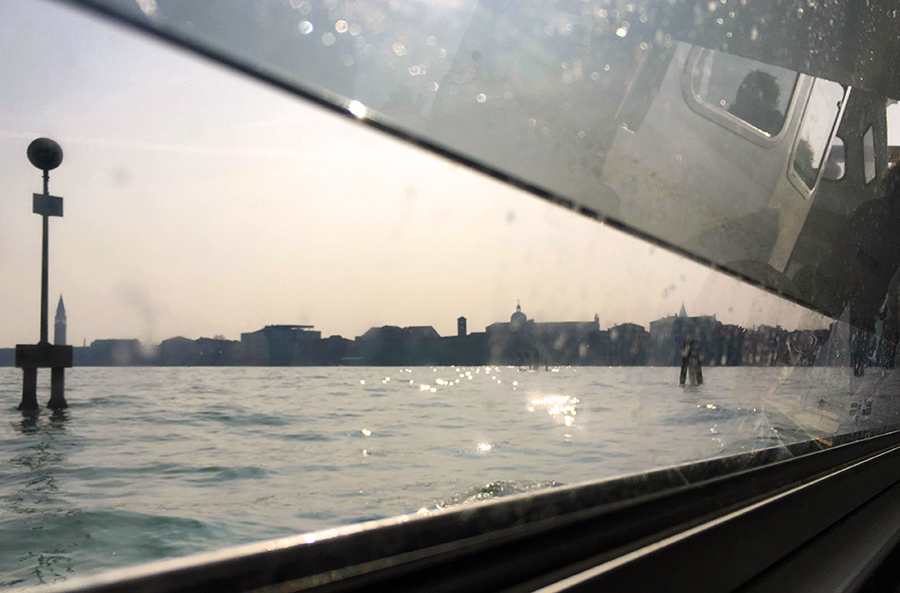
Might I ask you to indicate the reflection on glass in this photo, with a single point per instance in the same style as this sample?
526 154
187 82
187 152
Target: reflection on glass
869 154
819 119
836 164
756 93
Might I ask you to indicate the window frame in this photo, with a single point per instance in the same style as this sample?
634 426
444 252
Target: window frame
792 175
730 121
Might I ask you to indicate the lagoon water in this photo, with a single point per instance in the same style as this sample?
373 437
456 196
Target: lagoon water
152 463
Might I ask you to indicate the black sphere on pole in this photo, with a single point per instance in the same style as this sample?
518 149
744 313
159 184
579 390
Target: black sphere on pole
45 154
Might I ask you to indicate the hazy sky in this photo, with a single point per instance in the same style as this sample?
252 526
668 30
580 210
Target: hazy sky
199 202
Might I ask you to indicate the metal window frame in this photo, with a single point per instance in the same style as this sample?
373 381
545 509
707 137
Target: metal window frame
712 112
796 180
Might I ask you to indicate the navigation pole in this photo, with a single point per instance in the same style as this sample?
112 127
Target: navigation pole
45 154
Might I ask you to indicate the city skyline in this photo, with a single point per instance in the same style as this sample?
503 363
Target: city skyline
199 202
520 341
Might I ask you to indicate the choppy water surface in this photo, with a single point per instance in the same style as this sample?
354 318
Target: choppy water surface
150 463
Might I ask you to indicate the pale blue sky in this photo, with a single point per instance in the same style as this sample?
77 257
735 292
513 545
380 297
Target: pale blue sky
199 202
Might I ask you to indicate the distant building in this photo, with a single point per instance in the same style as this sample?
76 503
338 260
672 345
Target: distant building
524 341
461 329
282 345
217 351
59 327
393 345
628 345
719 344
128 352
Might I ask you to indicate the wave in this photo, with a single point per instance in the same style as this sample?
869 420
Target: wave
493 490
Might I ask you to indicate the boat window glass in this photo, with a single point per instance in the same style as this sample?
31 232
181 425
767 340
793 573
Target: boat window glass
836 164
869 154
202 203
755 93
821 114
605 108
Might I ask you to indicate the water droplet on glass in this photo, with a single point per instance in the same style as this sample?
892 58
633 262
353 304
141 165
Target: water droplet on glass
341 26
431 41
399 49
712 6
414 70
606 68
644 18
355 30
481 98
148 7
678 157
595 76
306 27
643 45
434 86
328 38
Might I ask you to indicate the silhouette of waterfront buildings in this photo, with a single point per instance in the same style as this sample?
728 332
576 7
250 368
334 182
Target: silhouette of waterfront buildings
521 341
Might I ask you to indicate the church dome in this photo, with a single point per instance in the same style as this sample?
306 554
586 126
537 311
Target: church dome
517 319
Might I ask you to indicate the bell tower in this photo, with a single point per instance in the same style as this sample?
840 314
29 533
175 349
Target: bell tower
59 328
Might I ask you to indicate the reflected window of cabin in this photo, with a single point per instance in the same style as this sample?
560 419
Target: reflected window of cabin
869 155
755 93
822 110
836 163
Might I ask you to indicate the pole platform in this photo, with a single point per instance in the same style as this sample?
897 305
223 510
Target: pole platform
30 358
